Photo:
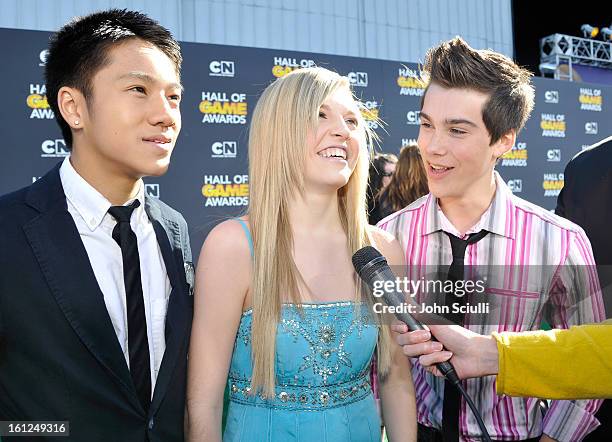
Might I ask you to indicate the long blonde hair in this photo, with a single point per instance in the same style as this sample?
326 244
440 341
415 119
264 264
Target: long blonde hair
284 114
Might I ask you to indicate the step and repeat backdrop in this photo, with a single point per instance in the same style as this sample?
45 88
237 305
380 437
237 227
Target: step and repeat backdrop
208 178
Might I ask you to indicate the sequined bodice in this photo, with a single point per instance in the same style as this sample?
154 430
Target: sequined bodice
322 357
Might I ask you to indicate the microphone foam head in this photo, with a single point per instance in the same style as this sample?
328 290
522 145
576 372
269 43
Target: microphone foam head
366 260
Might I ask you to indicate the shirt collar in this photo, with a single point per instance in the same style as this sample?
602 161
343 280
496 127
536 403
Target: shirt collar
494 219
91 205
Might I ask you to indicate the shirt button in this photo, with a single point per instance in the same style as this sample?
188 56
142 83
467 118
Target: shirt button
151 424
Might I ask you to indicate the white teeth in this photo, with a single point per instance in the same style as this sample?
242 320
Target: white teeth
333 152
438 167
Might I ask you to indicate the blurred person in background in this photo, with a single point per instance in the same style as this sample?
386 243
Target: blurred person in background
408 183
381 170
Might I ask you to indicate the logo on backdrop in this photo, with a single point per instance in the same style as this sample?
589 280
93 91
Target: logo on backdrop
552 184
369 111
283 65
54 149
516 185
413 118
408 141
152 190
37 101
358 78
223 107
590 99
221 191
551 97
590 128
221 68
43 57
553 155
410 82
553 125
224 149
516 157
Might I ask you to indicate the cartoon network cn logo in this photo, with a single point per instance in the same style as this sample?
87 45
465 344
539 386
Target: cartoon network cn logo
553 155
551 97
590 128
413 117
221 68
152 190
358 78
54 149
224 149
516 186
43 57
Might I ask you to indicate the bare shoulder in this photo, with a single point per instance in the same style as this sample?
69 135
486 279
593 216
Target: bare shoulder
387 245
227 241
224 269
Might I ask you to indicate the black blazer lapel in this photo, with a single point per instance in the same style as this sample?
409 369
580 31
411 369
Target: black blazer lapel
65 265
178 317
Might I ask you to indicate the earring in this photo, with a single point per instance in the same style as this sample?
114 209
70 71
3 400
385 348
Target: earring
76 122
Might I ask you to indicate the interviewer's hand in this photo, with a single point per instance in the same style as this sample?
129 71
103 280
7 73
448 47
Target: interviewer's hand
471 354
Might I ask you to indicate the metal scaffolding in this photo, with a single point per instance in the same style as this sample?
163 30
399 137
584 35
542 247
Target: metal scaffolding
564 50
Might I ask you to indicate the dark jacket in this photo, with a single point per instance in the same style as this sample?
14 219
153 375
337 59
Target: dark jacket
59 355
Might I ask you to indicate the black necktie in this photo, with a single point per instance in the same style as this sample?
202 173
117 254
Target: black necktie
452 398
455 271
138 343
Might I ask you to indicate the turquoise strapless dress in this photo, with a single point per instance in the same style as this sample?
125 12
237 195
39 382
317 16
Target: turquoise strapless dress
323 390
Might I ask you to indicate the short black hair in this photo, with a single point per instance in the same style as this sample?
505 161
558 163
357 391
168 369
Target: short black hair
80 49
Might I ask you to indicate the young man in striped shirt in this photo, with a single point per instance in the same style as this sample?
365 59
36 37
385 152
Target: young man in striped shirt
538 266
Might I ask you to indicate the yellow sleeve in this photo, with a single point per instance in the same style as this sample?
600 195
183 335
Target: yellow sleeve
557 364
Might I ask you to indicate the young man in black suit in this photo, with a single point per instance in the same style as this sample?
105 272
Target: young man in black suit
95 276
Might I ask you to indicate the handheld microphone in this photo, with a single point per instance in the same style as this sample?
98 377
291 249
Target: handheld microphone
372 267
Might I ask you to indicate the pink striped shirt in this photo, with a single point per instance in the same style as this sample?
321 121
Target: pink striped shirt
522 236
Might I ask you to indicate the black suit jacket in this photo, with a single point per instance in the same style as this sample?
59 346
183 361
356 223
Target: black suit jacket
586 199
59 355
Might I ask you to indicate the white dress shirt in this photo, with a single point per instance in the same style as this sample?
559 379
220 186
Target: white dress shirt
89 209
